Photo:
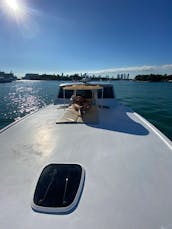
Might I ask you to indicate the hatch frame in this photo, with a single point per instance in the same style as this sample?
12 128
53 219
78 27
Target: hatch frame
61 210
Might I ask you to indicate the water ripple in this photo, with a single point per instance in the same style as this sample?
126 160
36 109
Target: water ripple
20 98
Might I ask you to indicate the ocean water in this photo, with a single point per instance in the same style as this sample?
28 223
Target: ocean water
152 100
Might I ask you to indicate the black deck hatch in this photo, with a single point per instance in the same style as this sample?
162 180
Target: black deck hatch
59 188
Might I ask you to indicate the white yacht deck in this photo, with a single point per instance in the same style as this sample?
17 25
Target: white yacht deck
128 166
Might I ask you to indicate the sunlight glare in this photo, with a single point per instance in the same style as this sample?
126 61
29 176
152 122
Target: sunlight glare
14 8
17 11
13 5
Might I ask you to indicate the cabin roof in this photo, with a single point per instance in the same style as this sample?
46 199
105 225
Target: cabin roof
88 83
82 87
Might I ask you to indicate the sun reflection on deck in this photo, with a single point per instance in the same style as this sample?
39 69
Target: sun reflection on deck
44 143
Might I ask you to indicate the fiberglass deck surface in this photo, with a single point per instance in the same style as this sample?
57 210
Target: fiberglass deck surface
128 171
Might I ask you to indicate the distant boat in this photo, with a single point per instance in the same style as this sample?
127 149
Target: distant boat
3 80
6 77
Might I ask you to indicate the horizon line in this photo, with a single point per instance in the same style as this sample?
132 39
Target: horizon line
132 70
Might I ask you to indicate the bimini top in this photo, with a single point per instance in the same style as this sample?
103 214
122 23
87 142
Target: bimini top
82 87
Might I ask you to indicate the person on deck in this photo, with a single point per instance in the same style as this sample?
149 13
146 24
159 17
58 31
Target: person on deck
80 104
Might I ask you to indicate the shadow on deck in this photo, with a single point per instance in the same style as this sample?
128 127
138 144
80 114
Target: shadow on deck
119 120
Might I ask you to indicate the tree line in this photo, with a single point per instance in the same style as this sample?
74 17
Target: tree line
73 77
154 78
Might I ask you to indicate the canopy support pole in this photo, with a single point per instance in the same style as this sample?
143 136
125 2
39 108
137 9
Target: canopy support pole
102 98
64 97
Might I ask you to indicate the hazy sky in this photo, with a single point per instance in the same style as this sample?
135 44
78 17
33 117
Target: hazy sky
85 35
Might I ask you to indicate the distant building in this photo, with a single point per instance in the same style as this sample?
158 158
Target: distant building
123 76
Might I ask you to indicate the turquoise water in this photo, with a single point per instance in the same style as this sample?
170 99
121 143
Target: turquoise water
151 100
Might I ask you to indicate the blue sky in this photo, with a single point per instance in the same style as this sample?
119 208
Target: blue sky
86 36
